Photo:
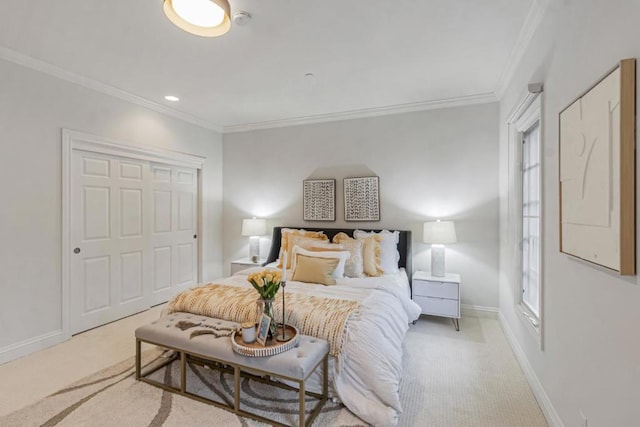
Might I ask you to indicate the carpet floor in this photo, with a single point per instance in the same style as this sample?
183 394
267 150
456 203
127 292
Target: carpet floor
467 378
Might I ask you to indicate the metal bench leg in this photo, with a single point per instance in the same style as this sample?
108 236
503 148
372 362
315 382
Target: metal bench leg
302 408
325 391
138 357
236 390
325 377
183 372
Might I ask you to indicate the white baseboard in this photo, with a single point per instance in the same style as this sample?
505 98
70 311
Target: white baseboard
479 311
538 390
23 348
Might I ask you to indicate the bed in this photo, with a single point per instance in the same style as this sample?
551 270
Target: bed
365 369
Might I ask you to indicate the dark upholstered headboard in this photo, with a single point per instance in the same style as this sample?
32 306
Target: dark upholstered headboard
404 245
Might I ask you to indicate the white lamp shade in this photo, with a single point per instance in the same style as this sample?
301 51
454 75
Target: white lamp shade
439 232
254 227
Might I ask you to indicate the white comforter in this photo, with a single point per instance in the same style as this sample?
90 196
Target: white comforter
366 376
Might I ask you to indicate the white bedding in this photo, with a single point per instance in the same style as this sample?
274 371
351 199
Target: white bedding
366 376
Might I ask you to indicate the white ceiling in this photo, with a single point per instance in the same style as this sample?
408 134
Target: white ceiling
366 55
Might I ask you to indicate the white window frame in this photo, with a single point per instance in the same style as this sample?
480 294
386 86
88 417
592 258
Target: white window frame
524 117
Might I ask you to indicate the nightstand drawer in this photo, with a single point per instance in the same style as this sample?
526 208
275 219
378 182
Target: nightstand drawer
435 289
438 306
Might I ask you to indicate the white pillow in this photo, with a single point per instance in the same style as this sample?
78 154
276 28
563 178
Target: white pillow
338 273
389 255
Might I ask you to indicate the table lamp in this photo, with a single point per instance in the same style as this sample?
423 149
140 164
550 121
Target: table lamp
438 233
254 228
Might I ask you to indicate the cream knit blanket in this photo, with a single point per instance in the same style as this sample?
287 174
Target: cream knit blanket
319 317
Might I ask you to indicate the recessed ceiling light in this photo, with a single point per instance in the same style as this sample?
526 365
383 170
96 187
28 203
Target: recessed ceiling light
172 98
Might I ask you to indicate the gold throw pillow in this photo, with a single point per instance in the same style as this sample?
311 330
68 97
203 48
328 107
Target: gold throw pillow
314 270
354 267
371 256
286 244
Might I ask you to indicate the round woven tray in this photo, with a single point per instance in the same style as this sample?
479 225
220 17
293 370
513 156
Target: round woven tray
271 347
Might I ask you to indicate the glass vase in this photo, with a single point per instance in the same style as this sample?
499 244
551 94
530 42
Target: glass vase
265 306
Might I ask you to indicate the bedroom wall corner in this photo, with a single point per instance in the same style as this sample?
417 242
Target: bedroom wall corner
438 163
589 362
34 108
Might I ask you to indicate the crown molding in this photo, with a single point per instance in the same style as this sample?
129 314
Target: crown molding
460 101
531 24
55 71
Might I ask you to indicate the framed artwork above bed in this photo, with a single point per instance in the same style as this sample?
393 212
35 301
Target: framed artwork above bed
361 199
319 199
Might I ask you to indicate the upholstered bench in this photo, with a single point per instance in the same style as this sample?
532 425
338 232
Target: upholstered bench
295 365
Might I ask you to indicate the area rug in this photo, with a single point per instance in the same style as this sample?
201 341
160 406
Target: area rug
468 378
113 397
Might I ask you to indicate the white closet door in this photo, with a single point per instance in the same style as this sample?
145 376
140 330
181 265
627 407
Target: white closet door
110 269
174 248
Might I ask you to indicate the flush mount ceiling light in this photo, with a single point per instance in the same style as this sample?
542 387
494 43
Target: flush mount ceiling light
207 18
172 98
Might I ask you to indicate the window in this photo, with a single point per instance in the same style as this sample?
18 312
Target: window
531 219
525 210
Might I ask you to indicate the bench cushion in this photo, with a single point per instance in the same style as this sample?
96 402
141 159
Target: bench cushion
297 363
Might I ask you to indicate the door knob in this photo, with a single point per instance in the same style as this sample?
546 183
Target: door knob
195 236
76 251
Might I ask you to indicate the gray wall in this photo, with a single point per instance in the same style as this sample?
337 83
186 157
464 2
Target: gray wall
34 107
431 164
591 356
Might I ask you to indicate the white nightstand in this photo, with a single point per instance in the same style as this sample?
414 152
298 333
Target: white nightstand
241 264
438 296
